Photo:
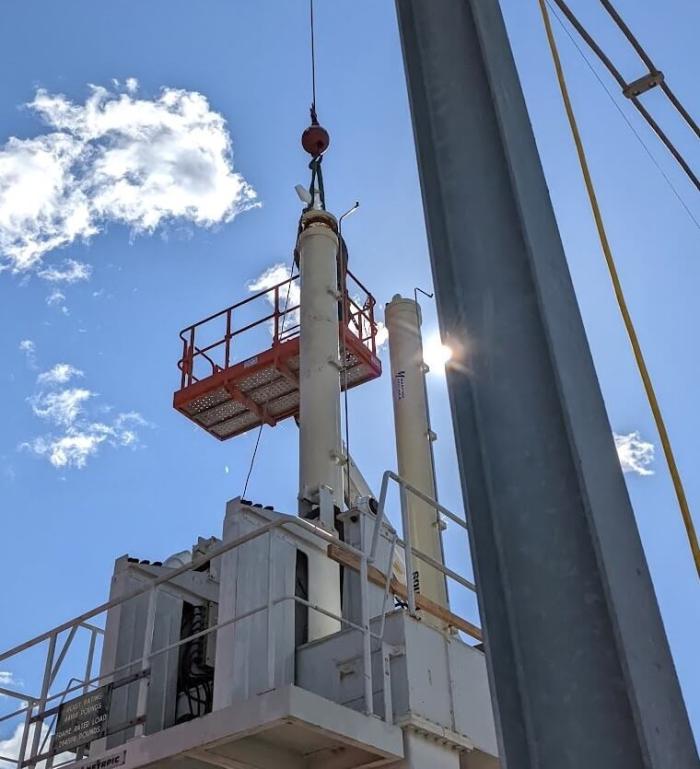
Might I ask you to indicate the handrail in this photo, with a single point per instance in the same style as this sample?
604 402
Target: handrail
360 322
386 477
194 565
245 301
413 596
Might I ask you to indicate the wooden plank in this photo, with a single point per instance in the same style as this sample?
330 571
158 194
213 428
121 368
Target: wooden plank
400 590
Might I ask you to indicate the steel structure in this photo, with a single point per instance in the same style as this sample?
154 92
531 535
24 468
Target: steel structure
375 685
580 668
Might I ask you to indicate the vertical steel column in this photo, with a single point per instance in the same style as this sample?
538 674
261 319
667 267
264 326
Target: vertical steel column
579 664
145 682
270 607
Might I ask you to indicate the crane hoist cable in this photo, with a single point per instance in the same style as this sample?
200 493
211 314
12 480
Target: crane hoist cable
316 179
644 56
619 295
262 424
633 90
623 115
315 139
252 460
313 58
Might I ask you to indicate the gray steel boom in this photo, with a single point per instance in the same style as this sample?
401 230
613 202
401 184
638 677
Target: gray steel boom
580 668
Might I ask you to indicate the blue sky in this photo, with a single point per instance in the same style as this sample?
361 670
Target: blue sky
154 482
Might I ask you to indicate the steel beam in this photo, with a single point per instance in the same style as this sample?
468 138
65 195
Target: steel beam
579 664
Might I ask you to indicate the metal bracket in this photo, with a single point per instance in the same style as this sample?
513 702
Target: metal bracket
440 524
326 508
643 84
339 458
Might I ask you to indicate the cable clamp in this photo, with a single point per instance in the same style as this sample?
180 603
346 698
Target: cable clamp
339 458
643 84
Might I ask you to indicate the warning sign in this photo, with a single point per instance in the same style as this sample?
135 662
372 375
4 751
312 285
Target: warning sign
82 720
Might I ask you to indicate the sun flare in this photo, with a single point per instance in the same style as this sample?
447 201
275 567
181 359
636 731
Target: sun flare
436 354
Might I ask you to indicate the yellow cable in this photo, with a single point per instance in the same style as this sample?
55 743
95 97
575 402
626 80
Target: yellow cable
629 326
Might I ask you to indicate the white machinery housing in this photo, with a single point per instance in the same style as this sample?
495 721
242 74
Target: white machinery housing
281 698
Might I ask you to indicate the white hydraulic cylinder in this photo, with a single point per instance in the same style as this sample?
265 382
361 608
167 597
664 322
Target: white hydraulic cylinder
319 373
413 442
320 445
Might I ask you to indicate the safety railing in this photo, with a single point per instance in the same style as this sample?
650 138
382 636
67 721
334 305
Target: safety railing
34 734
281 315
40 711
411 552
360 317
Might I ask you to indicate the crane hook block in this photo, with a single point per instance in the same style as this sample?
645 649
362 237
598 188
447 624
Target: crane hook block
315 140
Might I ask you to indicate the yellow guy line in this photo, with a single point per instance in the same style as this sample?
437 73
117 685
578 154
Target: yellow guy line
629 326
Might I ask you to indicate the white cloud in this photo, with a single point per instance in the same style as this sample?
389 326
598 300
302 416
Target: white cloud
7 470
636 455
382 334
10 747
62 407
55 297
57 300
132 84
77 435
116 157
289 294
29 349
41 206
59 374
71 271
7 679
69 450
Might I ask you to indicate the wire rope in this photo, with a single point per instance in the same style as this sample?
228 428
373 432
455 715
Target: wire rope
252 460
644 56
622 114
262 424
619 295
564 8
313 57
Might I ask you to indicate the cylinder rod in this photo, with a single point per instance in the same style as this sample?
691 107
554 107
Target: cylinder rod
413 441
320 444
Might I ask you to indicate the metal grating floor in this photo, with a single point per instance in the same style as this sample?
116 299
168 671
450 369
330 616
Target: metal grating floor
263 389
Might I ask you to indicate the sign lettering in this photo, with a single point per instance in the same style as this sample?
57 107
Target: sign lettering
82 720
